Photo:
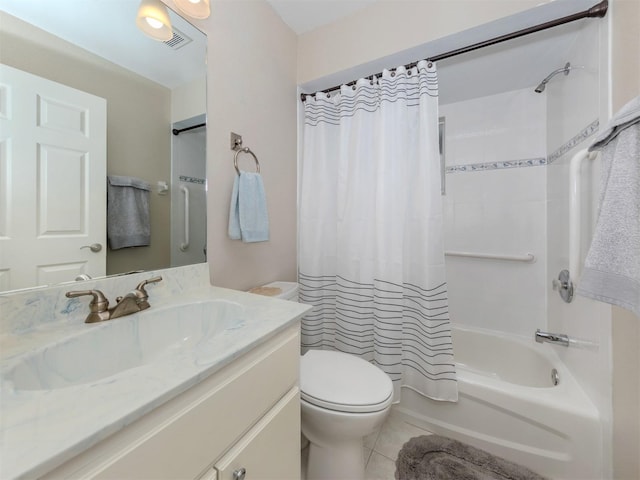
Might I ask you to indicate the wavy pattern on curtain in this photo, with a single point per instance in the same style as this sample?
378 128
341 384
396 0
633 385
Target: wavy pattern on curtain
371 250
369 98
367 315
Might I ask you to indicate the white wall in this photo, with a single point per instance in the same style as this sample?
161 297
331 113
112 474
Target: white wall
625 73
188 170
389 28
189 100
573 102
188 159
490 208
251 85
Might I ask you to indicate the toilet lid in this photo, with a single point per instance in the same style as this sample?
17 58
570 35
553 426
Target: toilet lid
343 382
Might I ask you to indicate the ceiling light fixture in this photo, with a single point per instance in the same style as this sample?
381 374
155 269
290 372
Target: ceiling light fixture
153 20
194 8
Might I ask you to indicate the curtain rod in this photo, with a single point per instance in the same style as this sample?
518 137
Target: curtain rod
598 10
178 132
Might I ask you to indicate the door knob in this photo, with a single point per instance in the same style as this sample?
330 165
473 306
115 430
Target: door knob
239 474
94 247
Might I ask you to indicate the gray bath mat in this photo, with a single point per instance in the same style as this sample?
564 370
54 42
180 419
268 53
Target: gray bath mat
432 457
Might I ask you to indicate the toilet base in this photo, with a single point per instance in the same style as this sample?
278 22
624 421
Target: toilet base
342 461
336 441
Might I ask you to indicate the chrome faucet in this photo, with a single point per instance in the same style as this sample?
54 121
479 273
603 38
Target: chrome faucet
132 302
557 338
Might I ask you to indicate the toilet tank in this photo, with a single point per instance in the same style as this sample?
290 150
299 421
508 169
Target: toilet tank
283 290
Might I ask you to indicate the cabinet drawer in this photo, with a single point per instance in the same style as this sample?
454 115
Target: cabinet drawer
182 437
271 449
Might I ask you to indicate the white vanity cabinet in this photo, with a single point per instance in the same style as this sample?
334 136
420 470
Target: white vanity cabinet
244 416
267 450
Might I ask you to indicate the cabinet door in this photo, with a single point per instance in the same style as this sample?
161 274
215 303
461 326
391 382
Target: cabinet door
179 439
271 449
211 474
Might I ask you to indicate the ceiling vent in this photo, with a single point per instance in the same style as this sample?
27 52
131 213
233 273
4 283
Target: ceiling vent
178 40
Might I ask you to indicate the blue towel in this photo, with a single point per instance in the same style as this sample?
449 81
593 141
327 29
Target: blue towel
248 218
234 213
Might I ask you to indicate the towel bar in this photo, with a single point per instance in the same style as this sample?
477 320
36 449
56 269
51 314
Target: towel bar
245 150
527 258
575 201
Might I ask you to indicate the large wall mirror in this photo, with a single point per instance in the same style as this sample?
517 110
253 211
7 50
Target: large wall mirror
149 89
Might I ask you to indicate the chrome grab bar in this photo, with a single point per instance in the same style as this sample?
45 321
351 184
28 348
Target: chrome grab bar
557 338
185 244
527 258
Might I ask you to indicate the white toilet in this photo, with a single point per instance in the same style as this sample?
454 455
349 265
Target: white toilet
343 399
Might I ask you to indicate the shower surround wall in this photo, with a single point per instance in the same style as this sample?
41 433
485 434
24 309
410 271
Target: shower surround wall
188 161
575 111
495 203
508 193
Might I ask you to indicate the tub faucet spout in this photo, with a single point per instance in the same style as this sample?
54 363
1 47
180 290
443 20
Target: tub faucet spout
557 338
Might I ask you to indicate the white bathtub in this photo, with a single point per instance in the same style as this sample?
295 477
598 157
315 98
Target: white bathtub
509 406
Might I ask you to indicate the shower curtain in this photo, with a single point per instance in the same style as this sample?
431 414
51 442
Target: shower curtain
371 256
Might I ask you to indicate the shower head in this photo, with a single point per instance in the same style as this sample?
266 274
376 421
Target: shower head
566 69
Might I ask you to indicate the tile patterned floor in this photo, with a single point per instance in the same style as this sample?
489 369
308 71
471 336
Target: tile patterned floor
381 447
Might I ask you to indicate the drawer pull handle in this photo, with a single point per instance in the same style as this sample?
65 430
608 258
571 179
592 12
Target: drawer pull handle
239 474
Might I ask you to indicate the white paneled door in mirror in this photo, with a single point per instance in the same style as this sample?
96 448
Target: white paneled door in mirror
52 166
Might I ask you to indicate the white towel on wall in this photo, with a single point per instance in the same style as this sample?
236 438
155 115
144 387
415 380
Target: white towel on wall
128 220
612 266
248 216
234 212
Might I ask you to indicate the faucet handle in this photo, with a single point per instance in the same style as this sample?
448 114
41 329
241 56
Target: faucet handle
99 305
99 302
147 282
142 294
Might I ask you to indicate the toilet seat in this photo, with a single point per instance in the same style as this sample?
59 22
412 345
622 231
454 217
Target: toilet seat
343 382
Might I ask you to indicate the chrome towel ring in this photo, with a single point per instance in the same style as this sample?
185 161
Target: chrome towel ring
245 150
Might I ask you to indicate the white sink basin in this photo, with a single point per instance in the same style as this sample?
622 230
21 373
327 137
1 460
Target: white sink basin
109 348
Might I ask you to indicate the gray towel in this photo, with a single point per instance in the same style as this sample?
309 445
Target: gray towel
128 222
612 266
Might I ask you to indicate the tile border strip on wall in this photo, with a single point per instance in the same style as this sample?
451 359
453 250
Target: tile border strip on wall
580 137
477 167
199 181
585 133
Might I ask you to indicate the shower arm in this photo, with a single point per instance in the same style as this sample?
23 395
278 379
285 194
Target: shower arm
566 69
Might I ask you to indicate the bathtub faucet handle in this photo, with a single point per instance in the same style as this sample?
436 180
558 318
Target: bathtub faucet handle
564 286
557 338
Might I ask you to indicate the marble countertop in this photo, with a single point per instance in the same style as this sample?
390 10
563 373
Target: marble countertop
41 429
